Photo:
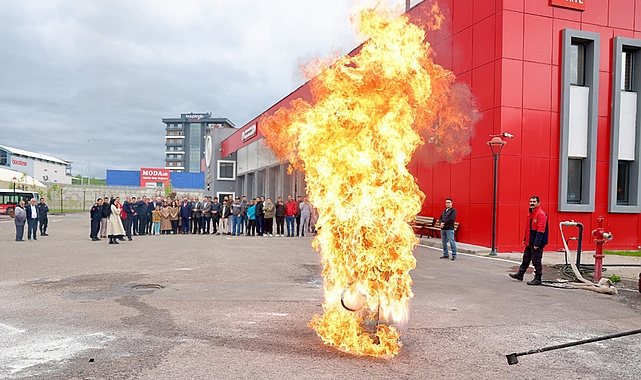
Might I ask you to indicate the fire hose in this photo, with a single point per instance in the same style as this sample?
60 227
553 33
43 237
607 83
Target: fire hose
604 286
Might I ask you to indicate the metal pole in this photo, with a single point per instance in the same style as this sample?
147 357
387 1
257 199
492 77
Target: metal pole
496 167
89 164
512 358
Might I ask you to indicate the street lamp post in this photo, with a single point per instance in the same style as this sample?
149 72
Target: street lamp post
89 165
14 179
496 145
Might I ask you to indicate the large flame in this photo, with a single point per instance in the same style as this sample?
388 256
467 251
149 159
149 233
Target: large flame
370 113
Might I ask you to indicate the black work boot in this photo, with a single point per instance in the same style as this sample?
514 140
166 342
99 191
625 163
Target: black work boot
518 275
536 281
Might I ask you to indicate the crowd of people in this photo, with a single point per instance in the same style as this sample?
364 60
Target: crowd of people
235 217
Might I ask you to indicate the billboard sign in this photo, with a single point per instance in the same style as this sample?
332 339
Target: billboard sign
571 4
154 176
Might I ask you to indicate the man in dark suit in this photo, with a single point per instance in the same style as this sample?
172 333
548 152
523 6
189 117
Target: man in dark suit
129 217
134 220
151 206
43 220
215 216
32 219
206 219
142 216
185 215
96 217
196 216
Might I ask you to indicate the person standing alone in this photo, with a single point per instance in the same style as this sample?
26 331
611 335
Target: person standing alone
448 217
536 238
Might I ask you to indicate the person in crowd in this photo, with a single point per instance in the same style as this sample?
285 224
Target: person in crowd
243 215
135 222
156 217
103 221
96 218
291 209
185 215
448 217
269 212
305 214
535 239
225 213
206 219
196 215
141 210
215 215
299 203
150 209
313 219
280 217
165 222
251 217
115 230
235 217
32 219
20 218
119 206
127 216
260 216
174 216
43 219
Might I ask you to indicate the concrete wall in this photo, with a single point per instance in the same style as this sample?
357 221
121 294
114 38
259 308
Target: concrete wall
79 198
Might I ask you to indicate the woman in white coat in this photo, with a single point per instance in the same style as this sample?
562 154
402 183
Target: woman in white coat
115 229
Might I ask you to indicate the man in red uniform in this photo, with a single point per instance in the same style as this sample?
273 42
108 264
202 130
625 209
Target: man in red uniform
536 238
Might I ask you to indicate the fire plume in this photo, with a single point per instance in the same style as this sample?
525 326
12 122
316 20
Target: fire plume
370 112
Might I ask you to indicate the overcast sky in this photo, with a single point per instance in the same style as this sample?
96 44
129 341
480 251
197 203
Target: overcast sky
109 70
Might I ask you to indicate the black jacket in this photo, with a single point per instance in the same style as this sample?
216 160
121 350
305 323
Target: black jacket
448 217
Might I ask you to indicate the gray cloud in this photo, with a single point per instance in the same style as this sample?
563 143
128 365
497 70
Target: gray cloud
109 71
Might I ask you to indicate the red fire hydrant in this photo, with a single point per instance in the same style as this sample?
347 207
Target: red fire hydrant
602 237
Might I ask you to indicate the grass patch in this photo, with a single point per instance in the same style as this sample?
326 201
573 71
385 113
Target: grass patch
623 253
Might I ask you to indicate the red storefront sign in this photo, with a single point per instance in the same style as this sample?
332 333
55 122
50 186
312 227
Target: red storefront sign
571 4
153 175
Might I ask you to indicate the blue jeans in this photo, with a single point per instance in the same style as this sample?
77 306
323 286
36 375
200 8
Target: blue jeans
290 224
260 225
448 235
244 224
236 228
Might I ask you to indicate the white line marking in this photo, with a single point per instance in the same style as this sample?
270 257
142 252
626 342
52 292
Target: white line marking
473 255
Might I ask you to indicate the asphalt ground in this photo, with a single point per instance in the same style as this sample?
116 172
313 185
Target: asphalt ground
217 307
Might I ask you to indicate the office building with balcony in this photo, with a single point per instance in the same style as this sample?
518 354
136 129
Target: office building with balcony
185 140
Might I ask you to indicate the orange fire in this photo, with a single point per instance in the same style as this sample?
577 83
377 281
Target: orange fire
370 113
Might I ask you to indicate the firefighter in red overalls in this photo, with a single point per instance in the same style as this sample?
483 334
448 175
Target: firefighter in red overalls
536 238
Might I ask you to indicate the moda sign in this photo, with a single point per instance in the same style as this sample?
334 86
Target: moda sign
571 4
153 175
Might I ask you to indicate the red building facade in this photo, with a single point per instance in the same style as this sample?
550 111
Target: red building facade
562 81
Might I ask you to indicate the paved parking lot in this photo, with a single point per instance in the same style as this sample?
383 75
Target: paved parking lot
215 307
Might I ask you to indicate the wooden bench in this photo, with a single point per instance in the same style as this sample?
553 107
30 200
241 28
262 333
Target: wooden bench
435 230
422 223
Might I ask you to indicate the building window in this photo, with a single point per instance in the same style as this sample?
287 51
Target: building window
575 180
194 147
577 64
3 158
578 120
625 132
623 183
627 75
227 170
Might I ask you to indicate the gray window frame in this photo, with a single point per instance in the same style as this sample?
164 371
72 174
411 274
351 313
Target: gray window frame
592 46
634 199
